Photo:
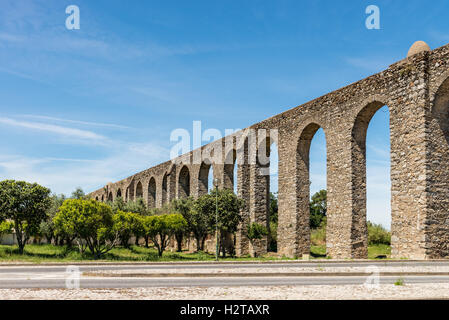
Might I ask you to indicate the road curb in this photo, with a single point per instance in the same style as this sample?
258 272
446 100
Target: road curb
286 262
260 274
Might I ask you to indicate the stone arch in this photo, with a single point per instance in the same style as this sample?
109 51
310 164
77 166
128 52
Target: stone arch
267 145
184 182
229 168
152 193
139 190
440 108
119 193
102 198
302 184
96 198
203 178
437 232
110 197
359 233
164 189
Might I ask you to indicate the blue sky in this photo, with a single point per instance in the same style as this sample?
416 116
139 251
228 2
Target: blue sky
84 107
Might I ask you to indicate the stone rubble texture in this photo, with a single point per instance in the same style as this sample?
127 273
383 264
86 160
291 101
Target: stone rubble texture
416 91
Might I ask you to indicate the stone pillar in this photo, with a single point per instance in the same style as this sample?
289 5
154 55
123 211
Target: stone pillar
411 159
346 198
243 187
294 213
171 184
259 203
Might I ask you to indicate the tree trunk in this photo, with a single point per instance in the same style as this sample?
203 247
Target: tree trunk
179 241
137 241
198 243
146 241
203 239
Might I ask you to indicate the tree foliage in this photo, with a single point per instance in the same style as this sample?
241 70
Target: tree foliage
229 206
90 222
377 234
47 227
160 228
197 221
318 208
125 225
25 204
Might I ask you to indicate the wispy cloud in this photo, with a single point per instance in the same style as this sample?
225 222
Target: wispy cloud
63 175
60 130
86 123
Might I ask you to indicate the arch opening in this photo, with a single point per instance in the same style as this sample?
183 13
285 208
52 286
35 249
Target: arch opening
273 196
203 178
311 176
184 183
139 190
152 193
371 173
119 193
164 193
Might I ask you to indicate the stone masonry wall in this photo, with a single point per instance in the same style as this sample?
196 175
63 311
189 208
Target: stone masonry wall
416 91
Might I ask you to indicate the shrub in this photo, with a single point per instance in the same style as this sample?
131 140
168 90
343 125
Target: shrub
256 231
6 227
378 234
125 225
90 222
160 228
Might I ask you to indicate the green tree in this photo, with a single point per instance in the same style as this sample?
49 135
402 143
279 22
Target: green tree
256 231
125 225
47 226
78 194
160 228
377 234
26 205
197 220
6 227
272 234
229 206
274 207
137 206
118 205
318 208
90 222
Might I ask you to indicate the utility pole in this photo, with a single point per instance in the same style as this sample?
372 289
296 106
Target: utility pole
216 218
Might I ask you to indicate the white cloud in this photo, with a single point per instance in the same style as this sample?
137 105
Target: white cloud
64 131
63 175
87 123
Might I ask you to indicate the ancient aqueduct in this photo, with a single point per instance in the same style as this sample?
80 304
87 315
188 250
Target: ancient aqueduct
416 91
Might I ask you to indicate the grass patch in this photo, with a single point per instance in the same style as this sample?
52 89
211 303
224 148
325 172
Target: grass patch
35 253
376 250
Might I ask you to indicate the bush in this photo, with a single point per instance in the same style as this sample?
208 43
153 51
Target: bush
126 224
6 227
318 235
256 231
378 234
90 222
160 228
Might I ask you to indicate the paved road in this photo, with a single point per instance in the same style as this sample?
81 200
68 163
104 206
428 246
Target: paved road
4 269
55 276
206 282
